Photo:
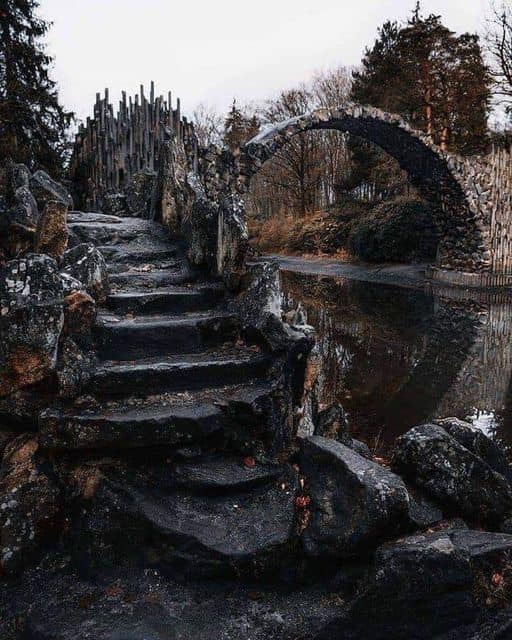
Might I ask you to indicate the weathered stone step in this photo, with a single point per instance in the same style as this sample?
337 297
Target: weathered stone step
173 420
179 373
152 278
252 530
168 299
115 230
121 338
88 217
221 474
125 254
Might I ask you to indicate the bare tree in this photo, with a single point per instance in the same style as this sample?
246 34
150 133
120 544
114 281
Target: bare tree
208 124
499 43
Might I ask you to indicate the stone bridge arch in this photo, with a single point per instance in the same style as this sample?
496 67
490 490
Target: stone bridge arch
450 183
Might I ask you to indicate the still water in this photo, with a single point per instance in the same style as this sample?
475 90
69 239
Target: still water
394 357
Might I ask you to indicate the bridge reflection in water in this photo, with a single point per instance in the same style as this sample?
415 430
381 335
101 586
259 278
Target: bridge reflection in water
396 357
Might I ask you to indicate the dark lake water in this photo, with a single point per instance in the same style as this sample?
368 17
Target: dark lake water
394 357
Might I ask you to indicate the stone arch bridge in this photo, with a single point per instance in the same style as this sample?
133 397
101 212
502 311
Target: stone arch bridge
201 191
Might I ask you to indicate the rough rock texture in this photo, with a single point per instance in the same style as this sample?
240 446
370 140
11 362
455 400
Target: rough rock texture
114 204
435 461
31 320
134 512
86 264
52 231
44 189
477 442
355 503
332 423
18 223
56 601
29 504
139 193
79 313
429 584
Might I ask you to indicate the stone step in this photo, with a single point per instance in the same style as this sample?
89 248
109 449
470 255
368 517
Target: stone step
166 299
212 419
125 254
120 338
222 474
179 373
115 230
137 278
251 530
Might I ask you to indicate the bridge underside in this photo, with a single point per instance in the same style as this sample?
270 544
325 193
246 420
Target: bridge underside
465 255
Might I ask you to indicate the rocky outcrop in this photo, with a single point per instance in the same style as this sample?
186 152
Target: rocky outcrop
139 193
354 502
456 476
52 232
31 319
86 264
425 585
44 190
30 503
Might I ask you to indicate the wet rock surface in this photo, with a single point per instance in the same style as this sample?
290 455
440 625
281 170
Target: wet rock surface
354 501
437 462
29 504
31 319
86 264
424 585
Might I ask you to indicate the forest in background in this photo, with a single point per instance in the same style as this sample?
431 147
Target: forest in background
327 192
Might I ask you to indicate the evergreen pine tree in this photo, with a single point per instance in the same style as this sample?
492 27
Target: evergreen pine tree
239 128
435 79
33 125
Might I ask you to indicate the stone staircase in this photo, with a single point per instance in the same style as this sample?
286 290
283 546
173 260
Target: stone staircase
172 444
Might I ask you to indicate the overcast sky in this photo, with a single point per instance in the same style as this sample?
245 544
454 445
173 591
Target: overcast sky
213 50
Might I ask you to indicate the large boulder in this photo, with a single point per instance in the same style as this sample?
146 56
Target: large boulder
52 231
29 504
86 264
459 479
18 223
354 505
19 176
476 441
31 321
139 193
45 189
429 584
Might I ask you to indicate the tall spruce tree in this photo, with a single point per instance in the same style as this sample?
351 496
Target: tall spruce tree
436 80
33 124
239 127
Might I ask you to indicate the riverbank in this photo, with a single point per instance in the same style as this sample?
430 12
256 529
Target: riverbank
410 276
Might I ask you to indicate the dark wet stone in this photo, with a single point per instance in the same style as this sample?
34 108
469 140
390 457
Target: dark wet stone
31 321
225 474
139 193
438 463
132 513
29 504
423 512
19 176
87 264
476 441
45 189
332 423
355 503
428 584
24 211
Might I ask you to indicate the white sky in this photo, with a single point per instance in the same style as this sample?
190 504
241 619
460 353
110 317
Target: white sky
213 50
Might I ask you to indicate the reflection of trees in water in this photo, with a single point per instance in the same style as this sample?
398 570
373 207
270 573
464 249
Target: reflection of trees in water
395 358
